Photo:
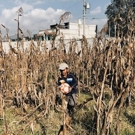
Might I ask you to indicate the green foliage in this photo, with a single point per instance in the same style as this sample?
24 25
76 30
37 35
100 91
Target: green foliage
120 13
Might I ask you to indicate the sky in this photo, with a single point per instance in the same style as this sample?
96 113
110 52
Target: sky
40 14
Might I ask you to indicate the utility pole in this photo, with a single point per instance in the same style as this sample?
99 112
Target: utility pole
84 14
109 28
18 30
85 6
115 30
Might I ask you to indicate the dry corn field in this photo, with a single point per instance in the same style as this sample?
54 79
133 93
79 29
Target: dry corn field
106 76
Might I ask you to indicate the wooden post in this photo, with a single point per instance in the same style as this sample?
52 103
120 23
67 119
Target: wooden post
1 107
64 107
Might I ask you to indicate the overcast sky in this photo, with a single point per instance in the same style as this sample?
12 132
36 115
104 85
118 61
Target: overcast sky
40 14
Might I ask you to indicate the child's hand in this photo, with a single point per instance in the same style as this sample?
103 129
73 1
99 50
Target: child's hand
62 81
70 89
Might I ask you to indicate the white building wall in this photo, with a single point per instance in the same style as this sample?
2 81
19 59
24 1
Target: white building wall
90 31
69 34
76 31
73 26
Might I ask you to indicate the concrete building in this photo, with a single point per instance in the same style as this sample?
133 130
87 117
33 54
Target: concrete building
69 31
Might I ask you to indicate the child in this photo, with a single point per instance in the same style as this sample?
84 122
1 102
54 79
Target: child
68 78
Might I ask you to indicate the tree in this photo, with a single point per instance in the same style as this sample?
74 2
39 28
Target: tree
121 13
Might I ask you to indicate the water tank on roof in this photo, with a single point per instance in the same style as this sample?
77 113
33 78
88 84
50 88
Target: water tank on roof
79 21
87 5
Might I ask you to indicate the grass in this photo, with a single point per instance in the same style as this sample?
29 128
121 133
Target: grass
128 121
82 123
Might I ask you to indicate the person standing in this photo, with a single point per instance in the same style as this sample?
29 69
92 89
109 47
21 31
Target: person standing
71 80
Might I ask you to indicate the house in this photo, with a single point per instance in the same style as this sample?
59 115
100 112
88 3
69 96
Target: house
68 30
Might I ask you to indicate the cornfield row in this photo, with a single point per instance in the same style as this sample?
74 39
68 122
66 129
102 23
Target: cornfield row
29 80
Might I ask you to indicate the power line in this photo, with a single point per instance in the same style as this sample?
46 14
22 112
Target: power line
77 13
94 18
74 14
73 5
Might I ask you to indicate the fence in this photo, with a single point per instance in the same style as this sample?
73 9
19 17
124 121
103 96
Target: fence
26 44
